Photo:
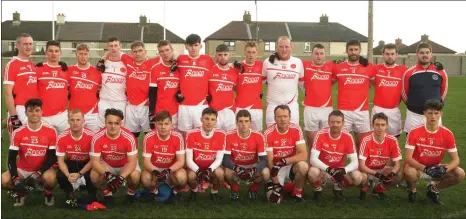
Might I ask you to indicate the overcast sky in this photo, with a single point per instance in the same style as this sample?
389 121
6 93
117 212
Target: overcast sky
444 22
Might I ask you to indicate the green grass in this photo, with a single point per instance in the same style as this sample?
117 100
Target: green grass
454 198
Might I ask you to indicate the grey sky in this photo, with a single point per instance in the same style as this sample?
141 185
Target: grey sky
442 21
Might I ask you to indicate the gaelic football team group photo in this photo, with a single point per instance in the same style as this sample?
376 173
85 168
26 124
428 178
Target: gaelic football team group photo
212 123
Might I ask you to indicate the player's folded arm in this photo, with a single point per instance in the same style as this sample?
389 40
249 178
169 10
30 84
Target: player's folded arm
131 165
353 165
147 162
270 162
12 154
315 161
61 163
262 163
189 160
409 150
50 160
362 166
301 153
180 161
95 162
454 159
218 160
227 162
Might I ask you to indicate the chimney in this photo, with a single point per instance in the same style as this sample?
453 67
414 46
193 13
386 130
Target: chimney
324 19
424 38
381 43
60 19
398 41
142 20
16 19
247 17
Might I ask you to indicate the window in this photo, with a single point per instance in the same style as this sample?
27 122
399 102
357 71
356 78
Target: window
269 46
74 46
40 46
12 46
308 46
230 44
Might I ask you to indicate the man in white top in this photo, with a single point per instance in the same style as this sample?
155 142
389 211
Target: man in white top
282 72
113 91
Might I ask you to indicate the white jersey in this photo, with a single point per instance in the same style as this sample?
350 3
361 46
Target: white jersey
113 81
282 80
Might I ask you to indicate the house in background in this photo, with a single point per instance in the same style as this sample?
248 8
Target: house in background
94 34
303 34
436 48
378 49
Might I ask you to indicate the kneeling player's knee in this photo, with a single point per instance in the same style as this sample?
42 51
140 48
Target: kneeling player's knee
459 173
364 179
181 177
356 177
95 177
50 177
265 174
313 174
219 173
135 177
410 174
191 176
303 167
146 179
6 179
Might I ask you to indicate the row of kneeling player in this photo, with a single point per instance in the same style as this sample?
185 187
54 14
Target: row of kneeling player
206 155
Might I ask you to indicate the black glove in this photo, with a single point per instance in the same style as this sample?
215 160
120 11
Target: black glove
238 66
100 65
163 176
380 176
200 177
63 65
208 97
436 171
179 97
337 61
337 173
388 179
238 170
174 66
39 64
115 184
273 56
152 120
18 184
438 66
277 166
261 94
363 61
155 173
207 175
248 173
14 122
109 177
277 192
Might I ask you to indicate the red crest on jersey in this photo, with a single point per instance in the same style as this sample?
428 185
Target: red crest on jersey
293 65
123 69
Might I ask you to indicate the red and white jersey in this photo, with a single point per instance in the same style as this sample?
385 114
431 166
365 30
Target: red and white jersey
22 75
388 85
114 81
114 151
84 85
163 152
333 151
318 84
32 145
167 85
249 86
204 147
138 79
194 76
429 147
283 145
222 84
52 84
376 154
74 149
245 151
353 85
282 80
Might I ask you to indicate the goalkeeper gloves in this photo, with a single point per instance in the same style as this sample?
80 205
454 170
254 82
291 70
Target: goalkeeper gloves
208 97
64 66
100 65
363 61
438 66
279 164
163 176
179 97
248 173
14 122
151 120
238 66
273 56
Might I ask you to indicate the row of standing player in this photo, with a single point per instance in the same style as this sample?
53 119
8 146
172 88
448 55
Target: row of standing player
208 155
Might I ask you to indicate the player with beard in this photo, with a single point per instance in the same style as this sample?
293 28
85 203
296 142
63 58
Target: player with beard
353 77
249 87
425 80
85 82
425 149
387 84
283 73
318 91
53 84
35 143
19 82
222 83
